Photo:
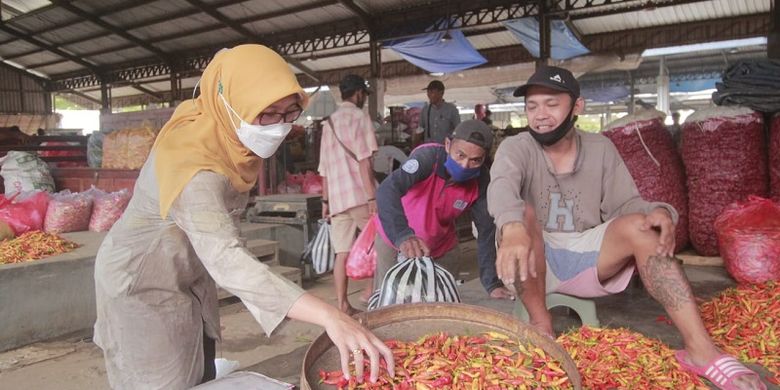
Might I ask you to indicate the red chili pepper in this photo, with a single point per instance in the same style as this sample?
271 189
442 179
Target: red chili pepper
438 361
33 246
743 322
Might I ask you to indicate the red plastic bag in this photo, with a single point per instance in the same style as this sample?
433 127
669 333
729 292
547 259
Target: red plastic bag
361 262
24 215
749 240
312 183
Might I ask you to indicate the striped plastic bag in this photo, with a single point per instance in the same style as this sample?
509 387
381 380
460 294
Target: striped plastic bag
415 280
319 250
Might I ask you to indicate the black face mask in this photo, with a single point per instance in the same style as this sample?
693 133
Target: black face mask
550 138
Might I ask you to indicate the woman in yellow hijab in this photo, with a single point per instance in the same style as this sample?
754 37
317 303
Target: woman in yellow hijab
155 272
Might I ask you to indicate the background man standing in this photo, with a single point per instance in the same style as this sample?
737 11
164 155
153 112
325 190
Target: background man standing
348 189
438 118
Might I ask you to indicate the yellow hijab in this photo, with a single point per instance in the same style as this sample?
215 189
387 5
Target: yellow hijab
200 136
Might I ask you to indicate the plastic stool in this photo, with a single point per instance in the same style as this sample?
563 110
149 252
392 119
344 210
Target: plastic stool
585 308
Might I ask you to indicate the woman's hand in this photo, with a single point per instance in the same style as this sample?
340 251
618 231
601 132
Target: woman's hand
353 342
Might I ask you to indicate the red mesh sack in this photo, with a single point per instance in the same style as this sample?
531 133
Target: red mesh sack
650 155
774 158
724 153
749 240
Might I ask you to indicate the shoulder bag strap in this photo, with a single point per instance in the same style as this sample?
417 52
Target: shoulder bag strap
346 149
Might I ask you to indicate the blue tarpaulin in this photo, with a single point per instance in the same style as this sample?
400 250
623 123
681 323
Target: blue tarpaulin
564 44
605 94
429 52
693 85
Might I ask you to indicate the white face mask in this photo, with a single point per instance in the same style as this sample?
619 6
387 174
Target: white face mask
262 140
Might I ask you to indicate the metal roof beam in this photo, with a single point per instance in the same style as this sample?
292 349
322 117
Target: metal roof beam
358 10
112 10
214 13
81 95
614 42
745 26
146 91
180 34
581 9
110 27
48 47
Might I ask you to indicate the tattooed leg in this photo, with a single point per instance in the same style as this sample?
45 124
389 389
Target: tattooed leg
665 281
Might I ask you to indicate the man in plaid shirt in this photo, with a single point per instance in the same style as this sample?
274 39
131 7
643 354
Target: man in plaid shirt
348 186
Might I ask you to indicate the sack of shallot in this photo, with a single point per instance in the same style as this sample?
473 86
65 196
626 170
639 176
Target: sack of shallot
68 212
107 208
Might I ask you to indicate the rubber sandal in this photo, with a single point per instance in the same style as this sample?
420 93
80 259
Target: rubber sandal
721 371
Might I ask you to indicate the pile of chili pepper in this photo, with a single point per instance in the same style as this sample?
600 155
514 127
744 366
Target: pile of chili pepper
32 246
622 359
743 321
489 361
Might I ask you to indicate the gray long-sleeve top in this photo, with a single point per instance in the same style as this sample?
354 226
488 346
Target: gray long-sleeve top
598 189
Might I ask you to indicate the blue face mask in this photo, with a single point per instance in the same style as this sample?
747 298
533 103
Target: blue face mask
458 173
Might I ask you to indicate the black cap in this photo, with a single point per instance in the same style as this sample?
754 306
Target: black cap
435 84
476 132
552 77
353 82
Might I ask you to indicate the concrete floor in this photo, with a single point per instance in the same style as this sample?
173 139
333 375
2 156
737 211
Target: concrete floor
76 363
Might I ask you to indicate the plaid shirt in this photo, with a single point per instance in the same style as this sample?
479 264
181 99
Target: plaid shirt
355 130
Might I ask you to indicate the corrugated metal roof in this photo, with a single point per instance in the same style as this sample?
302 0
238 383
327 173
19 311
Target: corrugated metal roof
496 39
379 6
705 10
179 29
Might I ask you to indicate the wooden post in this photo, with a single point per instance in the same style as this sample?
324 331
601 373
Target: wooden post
773 38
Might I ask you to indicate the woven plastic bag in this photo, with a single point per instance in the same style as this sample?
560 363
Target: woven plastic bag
68 212
361 262
749 240
95 149
24 212
651 157
774 158
319 250
127 148
415 280
107 208
25 172
724 152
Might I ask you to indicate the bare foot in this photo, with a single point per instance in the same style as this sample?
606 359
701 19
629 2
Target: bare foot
545 327
349 310
502 293
364 297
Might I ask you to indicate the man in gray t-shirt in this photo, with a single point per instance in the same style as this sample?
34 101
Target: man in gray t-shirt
438 118
569 219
